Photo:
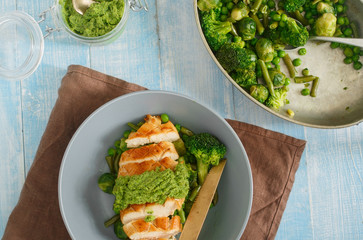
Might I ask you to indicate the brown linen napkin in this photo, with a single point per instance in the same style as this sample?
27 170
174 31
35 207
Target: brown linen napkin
37 214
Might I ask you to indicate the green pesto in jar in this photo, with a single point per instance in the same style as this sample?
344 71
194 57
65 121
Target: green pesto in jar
151 187
99 19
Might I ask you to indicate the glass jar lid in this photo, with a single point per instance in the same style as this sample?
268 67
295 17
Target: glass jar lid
22 45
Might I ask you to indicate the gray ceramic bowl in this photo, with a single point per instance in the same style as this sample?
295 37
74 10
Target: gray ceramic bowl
85 207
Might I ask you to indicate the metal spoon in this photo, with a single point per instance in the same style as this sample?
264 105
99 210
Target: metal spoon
358 42
82 5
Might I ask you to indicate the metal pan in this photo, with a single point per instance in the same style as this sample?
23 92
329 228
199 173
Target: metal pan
339 102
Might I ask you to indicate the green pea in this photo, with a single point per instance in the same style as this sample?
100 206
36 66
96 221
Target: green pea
355 58
271 4
276 60
268 65
348 32
348 60
111 151
311 21
339 8
127 133
284 17
305 91
297 62
224 18
275 54
341 21
230 5
287 81
178 127
305 72
302 51
278 67
276 17
281 53
224 10
348 52
357 65
341 1
334 45
164 117
356 50
282 24
220 4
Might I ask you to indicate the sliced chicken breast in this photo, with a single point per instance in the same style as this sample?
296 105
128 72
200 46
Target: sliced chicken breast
162 227
154 152
152 131
137 168
140 211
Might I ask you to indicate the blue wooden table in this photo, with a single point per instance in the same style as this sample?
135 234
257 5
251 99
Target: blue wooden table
162 49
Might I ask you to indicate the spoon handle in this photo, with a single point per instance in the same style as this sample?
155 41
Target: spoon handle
350 41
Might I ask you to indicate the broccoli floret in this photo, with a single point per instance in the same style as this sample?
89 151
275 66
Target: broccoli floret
233 56
215 31
278 100
245 77
207 149
293 34
292 5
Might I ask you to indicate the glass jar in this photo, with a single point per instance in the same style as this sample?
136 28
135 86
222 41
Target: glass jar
22 40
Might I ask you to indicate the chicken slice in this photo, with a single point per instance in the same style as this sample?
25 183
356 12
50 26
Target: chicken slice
154 152
140 211
137 168
152 131
162 227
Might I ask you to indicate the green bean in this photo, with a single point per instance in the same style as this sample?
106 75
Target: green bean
314 88
116 161
112 220
194 193
164 117
266 76
260 28
304 79
186 131
289 65
180 147
256 5
133 126
110 164
181 214
301 18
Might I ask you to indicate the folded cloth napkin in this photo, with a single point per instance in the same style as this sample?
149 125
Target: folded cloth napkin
37 214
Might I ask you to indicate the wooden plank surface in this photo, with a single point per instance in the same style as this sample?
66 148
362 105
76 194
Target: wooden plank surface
162 49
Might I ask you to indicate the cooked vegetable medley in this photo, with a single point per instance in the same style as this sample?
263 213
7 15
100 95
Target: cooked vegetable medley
249 38
155 173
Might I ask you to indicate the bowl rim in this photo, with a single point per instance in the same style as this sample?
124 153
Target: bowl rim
142 92
246 94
